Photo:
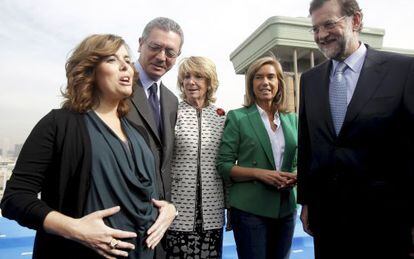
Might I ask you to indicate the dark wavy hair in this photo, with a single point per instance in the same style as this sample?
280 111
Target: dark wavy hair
81 93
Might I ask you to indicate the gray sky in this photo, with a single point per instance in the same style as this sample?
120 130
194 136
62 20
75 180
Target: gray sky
36 37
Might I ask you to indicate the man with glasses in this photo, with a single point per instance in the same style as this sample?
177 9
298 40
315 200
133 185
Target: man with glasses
154 108
356 124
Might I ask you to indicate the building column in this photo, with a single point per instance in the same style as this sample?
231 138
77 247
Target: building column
296 75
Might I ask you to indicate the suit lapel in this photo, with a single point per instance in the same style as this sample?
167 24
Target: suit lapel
141 104
261 133
319 98
166 105
370 78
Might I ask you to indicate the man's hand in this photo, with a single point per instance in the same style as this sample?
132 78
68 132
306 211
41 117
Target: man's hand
166 216
305 220
412 243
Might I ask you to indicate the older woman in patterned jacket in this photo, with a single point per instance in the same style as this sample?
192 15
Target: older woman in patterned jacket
197 189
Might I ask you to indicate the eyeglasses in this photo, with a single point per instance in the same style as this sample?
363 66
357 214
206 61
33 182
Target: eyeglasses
327 26
156 48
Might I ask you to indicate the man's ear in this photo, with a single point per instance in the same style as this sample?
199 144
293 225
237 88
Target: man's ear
140 42
357 21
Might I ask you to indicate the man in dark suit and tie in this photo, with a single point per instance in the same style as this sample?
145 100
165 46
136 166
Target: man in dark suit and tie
356 128
154 108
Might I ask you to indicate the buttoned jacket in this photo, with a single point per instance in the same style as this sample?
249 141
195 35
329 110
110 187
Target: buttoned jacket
245 143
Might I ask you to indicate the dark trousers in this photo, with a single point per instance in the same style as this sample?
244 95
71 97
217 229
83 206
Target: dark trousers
261 237
359 232
383 241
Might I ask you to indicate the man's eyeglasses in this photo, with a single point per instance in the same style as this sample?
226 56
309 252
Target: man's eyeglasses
156 48
328 25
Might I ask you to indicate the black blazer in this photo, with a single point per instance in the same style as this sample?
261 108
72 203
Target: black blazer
55 160
370 161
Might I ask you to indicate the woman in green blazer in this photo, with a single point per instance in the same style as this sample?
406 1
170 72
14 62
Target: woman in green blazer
257 157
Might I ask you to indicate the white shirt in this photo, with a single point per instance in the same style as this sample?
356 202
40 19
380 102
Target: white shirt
277 139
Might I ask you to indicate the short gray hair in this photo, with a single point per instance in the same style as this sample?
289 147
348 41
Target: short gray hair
165 24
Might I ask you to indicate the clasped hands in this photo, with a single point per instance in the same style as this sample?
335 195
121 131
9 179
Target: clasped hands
280 180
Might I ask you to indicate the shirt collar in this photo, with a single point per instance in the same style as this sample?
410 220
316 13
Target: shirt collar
355 60
263 114
146 81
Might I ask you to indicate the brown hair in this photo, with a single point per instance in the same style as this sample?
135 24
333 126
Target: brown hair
81 93
280 97
201 66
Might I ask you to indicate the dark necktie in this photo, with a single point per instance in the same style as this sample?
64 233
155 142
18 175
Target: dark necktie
337 96
155 106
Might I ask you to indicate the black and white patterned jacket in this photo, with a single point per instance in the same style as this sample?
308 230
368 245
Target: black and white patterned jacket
184 164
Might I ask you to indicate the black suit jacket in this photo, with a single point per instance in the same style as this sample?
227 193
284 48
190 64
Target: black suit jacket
367 168
162 146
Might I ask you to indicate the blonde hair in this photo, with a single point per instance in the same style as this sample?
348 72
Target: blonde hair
280 97
200 66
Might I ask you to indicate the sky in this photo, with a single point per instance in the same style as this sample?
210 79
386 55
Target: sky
36 38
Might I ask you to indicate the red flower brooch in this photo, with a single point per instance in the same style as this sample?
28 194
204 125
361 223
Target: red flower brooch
220 112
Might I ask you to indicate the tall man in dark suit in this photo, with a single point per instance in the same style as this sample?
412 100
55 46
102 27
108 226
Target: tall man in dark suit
356 132
154 108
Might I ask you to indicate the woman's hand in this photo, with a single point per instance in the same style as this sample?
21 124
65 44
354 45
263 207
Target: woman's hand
167 213
92 232
276 178
292 179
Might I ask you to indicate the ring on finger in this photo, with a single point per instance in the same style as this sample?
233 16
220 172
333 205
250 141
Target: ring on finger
113 243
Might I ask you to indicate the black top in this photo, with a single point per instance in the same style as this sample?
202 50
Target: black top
122 176
56 161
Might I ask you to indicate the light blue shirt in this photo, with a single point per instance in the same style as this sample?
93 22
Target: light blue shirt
146 81
355 62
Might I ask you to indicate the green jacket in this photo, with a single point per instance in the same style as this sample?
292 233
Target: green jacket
245 143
